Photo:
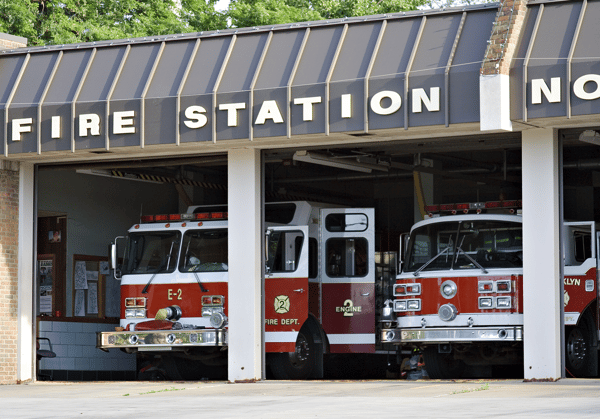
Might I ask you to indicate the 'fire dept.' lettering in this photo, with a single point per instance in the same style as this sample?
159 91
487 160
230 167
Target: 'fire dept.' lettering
283 322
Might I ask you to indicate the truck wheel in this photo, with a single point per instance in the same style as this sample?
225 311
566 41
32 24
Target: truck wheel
578 351
296 365
442 366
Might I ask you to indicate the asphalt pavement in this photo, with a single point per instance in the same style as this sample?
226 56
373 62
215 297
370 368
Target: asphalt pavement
303 399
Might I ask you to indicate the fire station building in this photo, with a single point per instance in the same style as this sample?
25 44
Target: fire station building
481 103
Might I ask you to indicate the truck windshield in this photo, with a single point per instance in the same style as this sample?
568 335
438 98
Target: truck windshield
465 245
151 252
204 251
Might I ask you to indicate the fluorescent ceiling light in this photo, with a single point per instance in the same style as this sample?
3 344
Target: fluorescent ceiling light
590 136
324 160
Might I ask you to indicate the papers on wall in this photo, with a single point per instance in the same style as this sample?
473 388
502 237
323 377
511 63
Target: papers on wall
80 277
45 299
79 309
92 297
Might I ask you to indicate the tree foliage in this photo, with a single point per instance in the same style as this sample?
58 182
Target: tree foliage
439 4
243 13
70 21
46 22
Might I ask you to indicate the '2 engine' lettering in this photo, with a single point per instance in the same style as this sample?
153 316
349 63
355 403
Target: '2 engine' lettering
174 294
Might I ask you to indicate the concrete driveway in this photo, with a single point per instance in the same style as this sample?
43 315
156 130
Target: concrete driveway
307 399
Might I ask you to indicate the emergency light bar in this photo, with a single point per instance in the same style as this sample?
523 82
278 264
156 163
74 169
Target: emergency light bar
476 207
184 217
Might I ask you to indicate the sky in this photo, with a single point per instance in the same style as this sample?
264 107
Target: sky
222 4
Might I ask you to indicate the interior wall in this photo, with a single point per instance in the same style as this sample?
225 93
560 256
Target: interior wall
98 210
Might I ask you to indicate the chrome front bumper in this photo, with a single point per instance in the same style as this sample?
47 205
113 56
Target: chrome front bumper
161 340
453 334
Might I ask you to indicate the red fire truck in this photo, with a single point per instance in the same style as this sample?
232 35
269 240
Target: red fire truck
459 297
322 294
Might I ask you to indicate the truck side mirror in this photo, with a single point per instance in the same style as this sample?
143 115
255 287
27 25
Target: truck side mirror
114 257
402 247
267 242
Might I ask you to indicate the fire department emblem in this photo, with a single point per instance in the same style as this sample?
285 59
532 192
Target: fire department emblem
567 298
282 304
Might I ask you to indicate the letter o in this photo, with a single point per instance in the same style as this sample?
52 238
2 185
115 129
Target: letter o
378 97
581 81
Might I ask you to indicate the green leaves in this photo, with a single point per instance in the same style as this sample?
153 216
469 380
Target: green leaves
70 21
18 18
47 22
244 13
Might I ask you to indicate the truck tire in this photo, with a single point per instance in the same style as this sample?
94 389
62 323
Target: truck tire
296 365
578 351
442 366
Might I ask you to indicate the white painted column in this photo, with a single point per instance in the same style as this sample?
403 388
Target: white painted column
494 102
25 309
245 265
541 254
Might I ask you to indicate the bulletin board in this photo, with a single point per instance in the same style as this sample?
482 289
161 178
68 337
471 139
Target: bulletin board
92 297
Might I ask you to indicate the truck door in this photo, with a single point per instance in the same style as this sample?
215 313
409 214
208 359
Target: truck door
286 286
348 279
596 255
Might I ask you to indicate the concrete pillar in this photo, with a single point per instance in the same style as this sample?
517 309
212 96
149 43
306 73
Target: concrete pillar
542 296
26 315
245 265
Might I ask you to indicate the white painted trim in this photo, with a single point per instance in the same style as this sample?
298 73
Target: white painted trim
571 319
351 338
276 337
25 310
494 102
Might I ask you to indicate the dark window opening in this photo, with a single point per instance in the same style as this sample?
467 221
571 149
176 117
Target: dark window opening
347 257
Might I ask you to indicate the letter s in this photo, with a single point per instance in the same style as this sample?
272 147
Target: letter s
195 117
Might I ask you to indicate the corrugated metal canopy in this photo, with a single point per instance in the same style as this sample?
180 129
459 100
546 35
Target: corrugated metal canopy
350 75
556 71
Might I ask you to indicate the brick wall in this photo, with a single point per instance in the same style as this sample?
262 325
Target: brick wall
9 234
504 37
9 242
11 41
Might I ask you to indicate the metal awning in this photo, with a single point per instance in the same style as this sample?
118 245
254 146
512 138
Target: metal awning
399 71
556 70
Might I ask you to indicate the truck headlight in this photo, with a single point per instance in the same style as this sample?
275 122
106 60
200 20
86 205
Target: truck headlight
400 305
448 289
217 319
413 305
135 313
486 302
503 302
